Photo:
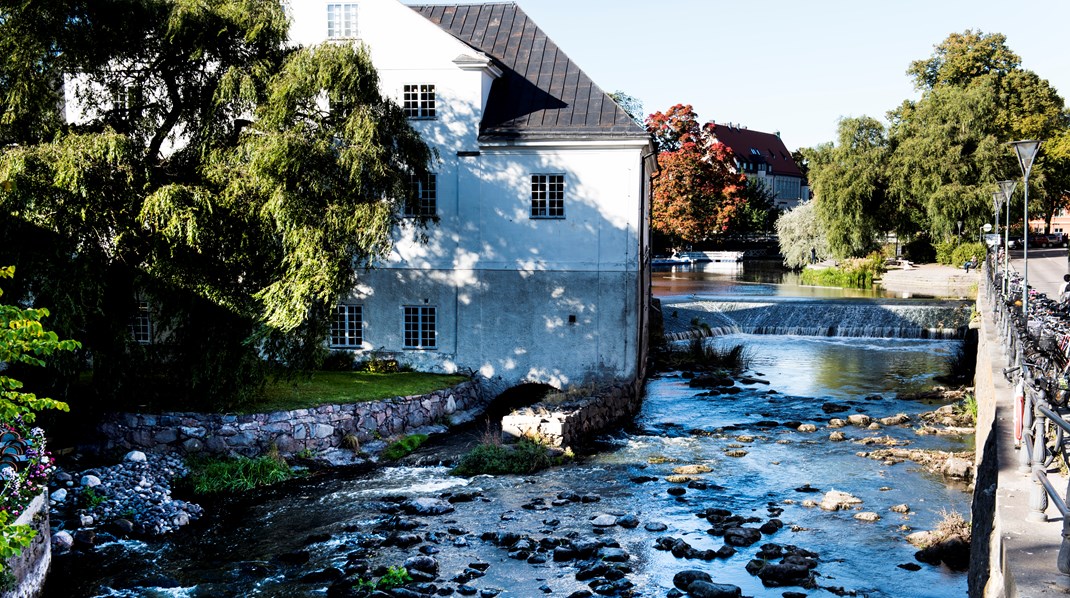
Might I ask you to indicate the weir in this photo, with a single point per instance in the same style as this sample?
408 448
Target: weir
873 318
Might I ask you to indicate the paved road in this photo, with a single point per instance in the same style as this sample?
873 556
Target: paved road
1046 268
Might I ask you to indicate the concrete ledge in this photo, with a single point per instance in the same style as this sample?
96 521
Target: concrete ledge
1010 556
572 423
31 567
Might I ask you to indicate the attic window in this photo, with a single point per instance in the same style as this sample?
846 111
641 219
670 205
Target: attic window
755 151
342 20
418 101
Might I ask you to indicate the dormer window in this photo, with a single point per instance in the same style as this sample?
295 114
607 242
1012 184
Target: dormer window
418 101
342 20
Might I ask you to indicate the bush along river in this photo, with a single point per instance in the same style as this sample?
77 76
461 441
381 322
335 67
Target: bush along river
803 476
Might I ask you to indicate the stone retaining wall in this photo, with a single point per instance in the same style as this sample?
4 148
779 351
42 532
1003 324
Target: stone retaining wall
30 567
291 431
573 422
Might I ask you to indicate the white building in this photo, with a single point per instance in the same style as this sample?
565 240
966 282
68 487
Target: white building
537 270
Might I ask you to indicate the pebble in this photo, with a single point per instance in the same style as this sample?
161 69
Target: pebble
137 492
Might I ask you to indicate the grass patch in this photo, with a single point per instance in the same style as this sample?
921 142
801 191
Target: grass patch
214 476
495 458
699 355
968 406
394 578
406 445
850 274
341 388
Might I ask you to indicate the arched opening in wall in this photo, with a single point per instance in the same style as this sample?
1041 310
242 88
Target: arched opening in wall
516 397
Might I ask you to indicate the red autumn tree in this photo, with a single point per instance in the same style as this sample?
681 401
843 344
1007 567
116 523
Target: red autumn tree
698 189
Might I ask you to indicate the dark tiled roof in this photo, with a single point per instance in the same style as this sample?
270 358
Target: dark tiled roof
541 92
770 148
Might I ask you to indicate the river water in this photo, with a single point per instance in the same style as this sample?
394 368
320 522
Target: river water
266 544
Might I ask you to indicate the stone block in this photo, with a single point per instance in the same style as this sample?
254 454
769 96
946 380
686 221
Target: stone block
277 428
166 436
322 430
193 431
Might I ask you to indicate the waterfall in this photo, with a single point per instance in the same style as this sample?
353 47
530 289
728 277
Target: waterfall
884 318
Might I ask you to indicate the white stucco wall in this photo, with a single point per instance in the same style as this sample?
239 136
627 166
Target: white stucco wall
503 284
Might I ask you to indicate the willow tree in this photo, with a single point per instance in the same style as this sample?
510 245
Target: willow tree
233 185
850 185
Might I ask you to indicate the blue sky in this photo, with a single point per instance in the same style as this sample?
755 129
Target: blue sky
795 67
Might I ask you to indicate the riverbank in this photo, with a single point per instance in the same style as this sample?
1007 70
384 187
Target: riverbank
932 280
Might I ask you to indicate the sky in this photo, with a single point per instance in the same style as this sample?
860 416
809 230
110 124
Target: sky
791 66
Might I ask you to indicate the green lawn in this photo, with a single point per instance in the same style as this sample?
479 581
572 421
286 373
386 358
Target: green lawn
336 388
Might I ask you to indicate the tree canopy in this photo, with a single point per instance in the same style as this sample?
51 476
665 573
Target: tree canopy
235 185
941 155
698 190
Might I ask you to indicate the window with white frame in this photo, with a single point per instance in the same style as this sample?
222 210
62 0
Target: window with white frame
424 199
141 324
342 20
347 328
420 327
547 196
418 101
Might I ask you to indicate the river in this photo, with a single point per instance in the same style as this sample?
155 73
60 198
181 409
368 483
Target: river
267 544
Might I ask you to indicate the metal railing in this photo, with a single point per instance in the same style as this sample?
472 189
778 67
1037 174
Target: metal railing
1039 361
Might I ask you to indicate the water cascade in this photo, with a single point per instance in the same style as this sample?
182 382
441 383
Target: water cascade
790 316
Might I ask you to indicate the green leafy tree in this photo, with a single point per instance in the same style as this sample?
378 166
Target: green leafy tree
24 340
950 145
850 185
237 186
631 104
801 235
758 213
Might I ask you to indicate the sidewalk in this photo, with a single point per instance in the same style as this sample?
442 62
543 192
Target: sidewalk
932 280
1021 555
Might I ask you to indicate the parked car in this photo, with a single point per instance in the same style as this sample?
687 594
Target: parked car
1049 240
1014 242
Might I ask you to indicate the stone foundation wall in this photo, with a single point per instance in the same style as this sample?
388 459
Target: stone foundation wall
30 567
573 422
291 431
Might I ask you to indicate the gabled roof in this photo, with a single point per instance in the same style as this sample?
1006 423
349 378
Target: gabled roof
755 146
541 93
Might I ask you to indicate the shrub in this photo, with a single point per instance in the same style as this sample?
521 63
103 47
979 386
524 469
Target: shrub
406 445
857 273
213 476
495 458
965 252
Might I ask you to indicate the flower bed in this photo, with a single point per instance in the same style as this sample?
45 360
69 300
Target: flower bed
25 466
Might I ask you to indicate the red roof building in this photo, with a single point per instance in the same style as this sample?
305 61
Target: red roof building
764 158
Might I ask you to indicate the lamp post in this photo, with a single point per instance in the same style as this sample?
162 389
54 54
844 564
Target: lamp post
997 200
1007 188
1027 152
984 228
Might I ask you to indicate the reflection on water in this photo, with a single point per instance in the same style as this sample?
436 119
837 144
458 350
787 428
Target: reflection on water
745 279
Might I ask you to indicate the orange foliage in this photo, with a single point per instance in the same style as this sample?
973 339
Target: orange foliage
698 189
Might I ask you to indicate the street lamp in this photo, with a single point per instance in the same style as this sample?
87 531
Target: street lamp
1027 152
1007 188
984 228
